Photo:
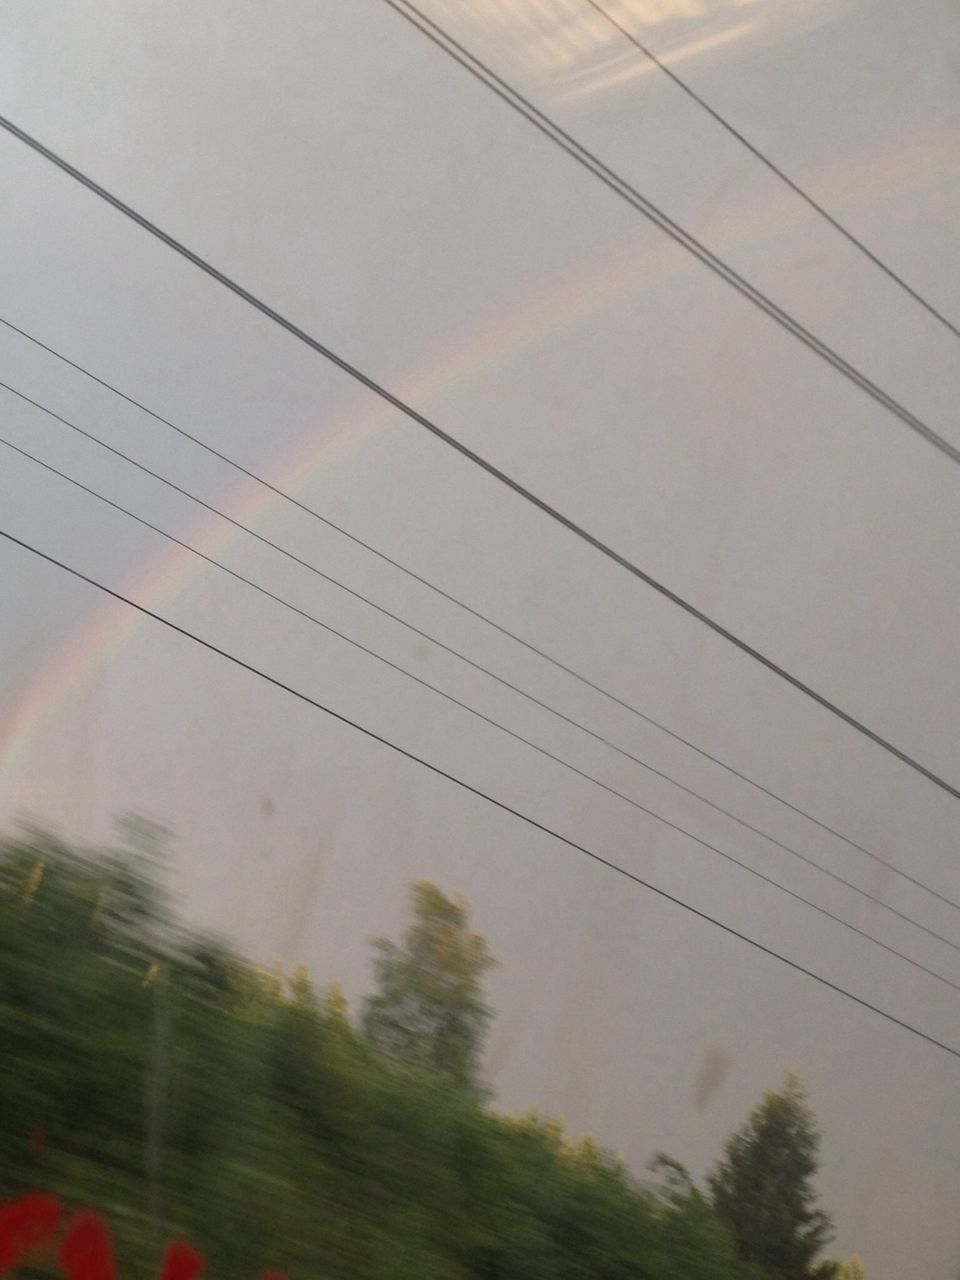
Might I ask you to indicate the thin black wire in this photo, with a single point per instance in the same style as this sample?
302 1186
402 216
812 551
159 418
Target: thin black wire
476 791
502 477
505 631
425 635
496 724
774 168
585 157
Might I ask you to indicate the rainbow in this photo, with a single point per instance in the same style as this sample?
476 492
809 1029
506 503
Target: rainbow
84 655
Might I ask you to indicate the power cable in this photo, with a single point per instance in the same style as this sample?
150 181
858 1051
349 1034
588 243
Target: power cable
502 477
545 706
505 631
773 168
476 791
585 157
496 724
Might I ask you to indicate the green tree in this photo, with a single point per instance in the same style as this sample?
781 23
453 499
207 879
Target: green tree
763 1190
166 1080
429 1010
336 1007
851 1269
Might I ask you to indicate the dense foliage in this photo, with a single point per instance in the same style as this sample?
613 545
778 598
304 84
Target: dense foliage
428 1010
182 1091
763 1188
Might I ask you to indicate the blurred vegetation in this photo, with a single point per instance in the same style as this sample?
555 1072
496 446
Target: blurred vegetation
158 1076
763 1188
850 1269
429 1010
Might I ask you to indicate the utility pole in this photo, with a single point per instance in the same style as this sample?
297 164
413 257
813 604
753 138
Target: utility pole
156 1079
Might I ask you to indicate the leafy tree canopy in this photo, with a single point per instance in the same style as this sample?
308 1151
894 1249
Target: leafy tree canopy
428 1010
763 1188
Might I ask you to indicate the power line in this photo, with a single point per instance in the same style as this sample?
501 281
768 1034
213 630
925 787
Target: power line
476 791
611 179
514 688
505 631
501 476
496 724
774 168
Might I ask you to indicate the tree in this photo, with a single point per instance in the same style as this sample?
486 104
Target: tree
851 1269
336 1007
763 1191
429 1010
251 1121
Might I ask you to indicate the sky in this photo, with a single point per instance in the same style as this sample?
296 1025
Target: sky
341 167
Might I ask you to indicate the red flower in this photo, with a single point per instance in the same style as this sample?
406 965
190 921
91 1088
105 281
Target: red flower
86 1251
26 1225
181 1262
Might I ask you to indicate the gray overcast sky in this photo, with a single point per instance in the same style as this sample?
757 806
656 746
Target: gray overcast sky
341 167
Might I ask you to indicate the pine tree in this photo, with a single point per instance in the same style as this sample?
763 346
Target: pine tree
763 1191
